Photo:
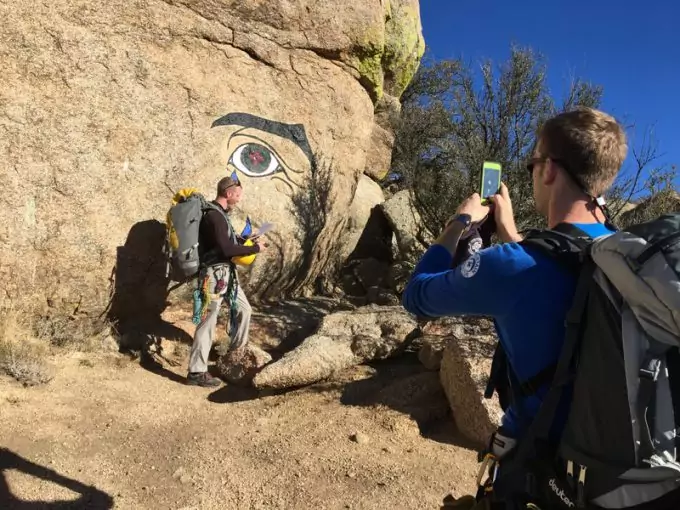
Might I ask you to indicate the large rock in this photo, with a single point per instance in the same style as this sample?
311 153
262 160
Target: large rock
431 351
403 47
464 372
368 195
407 225
107 109
343 339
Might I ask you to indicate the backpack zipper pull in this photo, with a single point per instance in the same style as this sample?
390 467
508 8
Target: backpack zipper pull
580 491
570 474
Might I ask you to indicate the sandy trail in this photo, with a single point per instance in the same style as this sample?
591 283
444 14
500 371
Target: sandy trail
112 434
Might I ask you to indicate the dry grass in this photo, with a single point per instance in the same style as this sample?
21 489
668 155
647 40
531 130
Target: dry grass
70 333
22 355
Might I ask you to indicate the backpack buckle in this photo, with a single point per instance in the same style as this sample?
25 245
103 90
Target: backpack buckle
651 370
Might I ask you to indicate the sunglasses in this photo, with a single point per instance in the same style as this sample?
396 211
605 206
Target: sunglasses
534 161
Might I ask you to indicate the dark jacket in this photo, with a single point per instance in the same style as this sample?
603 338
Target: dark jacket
215 240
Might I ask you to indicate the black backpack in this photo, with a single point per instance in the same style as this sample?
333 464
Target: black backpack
621 357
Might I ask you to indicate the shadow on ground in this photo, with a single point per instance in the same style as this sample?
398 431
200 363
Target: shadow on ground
90 498
400 383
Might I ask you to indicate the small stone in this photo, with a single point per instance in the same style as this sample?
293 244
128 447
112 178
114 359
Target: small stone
184 479
360 438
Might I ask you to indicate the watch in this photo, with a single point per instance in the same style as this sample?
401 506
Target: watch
465 219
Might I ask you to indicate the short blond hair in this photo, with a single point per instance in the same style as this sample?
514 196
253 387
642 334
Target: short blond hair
590 144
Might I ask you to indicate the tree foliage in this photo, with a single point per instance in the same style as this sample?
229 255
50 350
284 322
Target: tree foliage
456 116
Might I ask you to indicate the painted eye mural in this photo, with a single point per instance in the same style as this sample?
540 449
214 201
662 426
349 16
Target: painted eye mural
255 160
258 147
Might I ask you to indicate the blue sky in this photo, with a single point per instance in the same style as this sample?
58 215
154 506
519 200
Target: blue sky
630 48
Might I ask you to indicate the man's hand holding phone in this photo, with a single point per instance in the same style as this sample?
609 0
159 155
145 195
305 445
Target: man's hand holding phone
473 207
504 216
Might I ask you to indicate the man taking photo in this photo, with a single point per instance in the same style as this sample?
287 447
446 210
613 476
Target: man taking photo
576 158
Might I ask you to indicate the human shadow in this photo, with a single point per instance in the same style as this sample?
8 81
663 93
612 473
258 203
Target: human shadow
231 394
90 498
140 295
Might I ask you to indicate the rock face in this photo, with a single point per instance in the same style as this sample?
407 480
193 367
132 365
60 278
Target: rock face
432 350
407 226
104 112
367 197
465 367
343 339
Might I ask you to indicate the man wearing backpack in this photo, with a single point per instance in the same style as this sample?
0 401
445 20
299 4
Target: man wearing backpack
527 293
531 294
218 281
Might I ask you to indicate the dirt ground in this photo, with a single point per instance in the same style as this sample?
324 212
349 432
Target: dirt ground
111 432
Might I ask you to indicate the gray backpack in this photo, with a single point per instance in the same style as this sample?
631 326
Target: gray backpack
183 222
618 374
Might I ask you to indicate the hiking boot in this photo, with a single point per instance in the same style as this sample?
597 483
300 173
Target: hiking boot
203 379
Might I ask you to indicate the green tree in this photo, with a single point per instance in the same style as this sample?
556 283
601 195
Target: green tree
455 116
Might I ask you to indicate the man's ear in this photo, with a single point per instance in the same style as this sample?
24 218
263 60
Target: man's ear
549 173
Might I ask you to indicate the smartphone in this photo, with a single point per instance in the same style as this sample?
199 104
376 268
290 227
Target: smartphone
490 182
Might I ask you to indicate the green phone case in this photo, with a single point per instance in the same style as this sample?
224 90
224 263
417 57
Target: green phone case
489 165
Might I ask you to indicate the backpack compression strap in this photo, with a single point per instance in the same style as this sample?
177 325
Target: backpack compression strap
527 387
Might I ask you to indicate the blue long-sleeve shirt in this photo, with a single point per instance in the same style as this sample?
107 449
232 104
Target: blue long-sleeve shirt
526 293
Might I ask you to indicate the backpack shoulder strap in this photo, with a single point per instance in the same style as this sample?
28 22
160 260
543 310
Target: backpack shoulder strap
542 423
565 243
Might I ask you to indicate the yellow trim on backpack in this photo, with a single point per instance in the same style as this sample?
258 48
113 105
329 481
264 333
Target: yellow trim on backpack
183 194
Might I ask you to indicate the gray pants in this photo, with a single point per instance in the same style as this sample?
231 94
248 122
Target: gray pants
205 331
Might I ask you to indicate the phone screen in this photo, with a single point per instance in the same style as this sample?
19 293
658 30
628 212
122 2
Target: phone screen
491 181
